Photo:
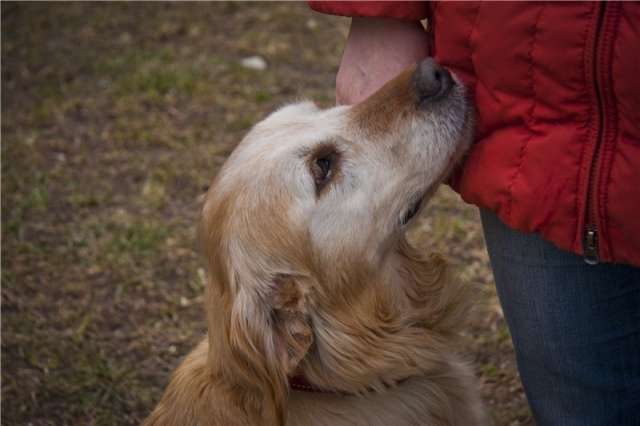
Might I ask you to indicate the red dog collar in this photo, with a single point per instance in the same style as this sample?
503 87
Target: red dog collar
300 383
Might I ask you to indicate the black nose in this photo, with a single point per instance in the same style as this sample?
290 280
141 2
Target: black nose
432 81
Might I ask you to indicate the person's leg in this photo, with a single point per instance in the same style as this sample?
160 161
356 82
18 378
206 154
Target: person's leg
575 328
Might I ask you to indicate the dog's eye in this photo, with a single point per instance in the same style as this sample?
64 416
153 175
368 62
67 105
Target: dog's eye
322 169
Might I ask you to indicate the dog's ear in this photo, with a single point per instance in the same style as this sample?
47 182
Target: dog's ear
293 335
259 328
275 320
270 333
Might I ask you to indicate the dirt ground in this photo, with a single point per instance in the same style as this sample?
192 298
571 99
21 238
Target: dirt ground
115 117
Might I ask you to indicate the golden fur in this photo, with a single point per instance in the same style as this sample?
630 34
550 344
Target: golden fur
324 283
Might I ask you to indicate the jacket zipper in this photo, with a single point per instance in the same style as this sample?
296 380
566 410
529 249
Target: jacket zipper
590 236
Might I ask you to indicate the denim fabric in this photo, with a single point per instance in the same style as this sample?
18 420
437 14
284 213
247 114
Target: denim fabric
575 328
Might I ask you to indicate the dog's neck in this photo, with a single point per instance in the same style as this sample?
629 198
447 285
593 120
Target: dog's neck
378 339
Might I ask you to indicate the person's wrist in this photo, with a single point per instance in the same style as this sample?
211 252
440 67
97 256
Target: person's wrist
387 33
378 25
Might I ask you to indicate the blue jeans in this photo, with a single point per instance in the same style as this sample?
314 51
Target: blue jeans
575 328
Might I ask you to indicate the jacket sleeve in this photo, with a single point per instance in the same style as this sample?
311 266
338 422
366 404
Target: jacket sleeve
380 9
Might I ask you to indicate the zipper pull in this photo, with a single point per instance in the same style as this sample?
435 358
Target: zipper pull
591 246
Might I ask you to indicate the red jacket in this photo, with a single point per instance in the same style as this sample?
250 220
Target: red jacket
557 89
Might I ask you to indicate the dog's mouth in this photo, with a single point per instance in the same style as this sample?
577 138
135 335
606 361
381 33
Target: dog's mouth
412 210
421 199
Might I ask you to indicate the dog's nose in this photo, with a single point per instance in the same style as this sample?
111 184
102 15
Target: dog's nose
432 81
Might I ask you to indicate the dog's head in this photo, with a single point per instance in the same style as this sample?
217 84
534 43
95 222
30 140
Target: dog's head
304 226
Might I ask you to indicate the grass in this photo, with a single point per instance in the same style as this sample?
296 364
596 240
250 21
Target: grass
115 117
134 241
157 83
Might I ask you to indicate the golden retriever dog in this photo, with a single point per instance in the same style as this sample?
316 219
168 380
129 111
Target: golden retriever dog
319 310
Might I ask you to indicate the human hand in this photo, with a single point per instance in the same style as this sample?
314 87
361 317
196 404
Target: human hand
376 50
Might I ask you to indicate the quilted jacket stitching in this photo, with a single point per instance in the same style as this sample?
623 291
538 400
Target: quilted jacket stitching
470 42
532 117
